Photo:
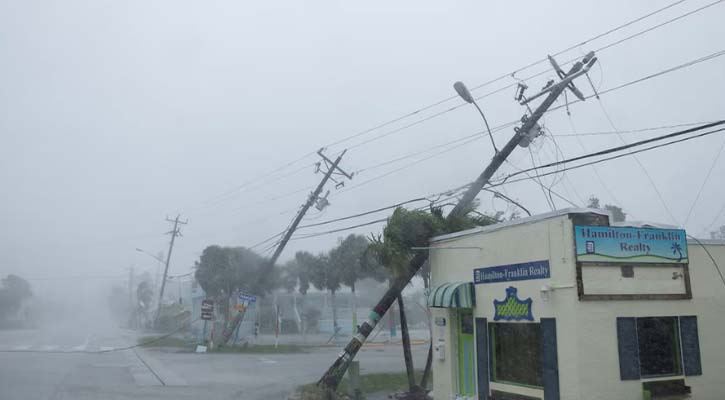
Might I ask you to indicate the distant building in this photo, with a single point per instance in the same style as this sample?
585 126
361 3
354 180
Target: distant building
566 306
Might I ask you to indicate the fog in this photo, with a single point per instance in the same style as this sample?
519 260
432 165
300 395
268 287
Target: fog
116 115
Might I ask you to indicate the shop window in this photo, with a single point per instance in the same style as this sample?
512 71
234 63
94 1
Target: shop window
659 346
516 353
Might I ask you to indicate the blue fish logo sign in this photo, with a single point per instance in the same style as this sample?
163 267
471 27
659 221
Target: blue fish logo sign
512 308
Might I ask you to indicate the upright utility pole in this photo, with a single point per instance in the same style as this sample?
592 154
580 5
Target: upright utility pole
524 134
176 231
330 168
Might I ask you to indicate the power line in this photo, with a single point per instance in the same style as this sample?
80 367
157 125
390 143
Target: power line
146 343
714 263
596 171
638 130
309 235
245 207
648 77
704 182
717 217
487 83
612 157
377 210
221 197
640 33
511 123
641 165
623 147
537 178
512 74
603 152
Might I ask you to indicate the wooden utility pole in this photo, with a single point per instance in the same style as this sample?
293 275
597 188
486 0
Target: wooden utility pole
529 129
333 168
176 231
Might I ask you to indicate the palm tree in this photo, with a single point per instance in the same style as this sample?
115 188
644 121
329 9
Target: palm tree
405 229
323 276
347 258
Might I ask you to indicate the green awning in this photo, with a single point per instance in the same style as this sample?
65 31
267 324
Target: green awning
453 295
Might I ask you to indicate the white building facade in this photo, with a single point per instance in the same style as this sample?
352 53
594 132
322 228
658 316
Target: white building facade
566 306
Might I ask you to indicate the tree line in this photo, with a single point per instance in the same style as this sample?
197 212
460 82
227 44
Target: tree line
222 271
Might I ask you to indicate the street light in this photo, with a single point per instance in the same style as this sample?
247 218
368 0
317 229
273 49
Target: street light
462 91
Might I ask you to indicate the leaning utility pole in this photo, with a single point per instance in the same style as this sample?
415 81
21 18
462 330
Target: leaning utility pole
176 231
529 130
333 168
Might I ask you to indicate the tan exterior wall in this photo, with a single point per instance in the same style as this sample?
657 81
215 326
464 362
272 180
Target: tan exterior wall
586 330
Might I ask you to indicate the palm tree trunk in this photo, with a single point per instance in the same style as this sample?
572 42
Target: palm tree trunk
334 314
429 359
428 366
406 345
354 310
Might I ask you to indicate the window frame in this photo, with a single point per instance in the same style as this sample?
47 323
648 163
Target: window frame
677 351
492 355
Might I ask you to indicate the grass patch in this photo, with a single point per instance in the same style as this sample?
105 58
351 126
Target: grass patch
157 341
370 383
262 349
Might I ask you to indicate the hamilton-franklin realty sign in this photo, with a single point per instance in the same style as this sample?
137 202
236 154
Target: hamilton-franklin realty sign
631 245
513 272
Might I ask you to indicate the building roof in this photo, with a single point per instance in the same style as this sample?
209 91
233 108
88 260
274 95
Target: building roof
520 221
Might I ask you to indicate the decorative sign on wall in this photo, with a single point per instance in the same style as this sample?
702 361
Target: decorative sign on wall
512 272
631 245
512 308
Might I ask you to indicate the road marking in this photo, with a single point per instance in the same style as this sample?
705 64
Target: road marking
266 360
21 347
79 348
106 348
48 347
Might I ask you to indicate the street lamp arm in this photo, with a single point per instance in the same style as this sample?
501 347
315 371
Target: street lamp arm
487 127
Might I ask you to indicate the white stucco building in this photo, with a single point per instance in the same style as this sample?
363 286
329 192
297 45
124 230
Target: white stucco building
565 306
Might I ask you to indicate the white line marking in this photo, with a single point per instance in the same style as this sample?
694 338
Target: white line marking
21 347
106 348
266 360
48 347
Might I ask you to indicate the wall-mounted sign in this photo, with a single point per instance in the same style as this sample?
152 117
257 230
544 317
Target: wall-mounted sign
512 308
440 321
631 245
513 272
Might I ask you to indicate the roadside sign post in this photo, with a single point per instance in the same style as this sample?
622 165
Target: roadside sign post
207 313
245 300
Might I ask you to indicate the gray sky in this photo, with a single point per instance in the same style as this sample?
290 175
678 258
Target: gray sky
115 115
